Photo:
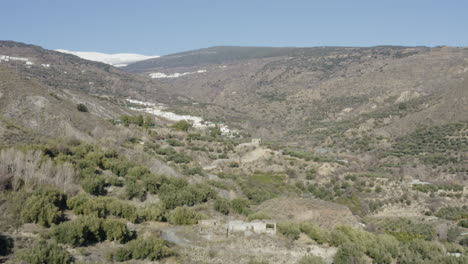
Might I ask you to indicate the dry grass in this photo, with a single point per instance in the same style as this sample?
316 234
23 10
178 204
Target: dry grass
30 167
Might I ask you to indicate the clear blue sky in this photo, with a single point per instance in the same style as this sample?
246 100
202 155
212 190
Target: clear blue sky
163 27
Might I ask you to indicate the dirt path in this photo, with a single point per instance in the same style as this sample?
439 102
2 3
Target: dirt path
170 234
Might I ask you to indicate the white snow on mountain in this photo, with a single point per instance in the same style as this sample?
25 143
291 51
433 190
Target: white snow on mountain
117 59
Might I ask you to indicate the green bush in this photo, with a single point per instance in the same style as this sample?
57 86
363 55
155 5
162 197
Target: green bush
463 223
258 216
349 253
87 230
260 187
453 233
94 184
102 207
151 249
82 108
134 189
314 232
153 212
464 242
420 251
240 206
311 260
44 207
453 213
222 205
184 216
172 195
182 125
45 252
406 229
289 230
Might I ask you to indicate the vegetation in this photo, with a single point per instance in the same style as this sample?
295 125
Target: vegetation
184 216
349 253
138 120
86 230
289 230
82 108
45 252
150 248
260 187
453 213
311 260
44 207
6 245
222 206
102 207
182 125
406 229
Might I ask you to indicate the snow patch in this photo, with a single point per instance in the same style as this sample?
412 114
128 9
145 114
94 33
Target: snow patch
160 75
10 58
117 59
197 122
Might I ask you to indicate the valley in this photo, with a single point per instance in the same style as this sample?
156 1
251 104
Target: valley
235 155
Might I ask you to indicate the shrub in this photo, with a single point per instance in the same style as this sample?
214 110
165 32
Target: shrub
182 125
464 242
453 233
134 189
289 230
349 253
151 249
406 229
463 223
260 187
153 212
102 207
311 260
172 195
44 207
6 245
94 184
222 205
453 213
184 216
82 108
86 229
240 206
258 216
45 252
314 232
420 250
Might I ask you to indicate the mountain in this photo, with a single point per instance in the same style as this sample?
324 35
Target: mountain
309 95
213 55
295 155
116 59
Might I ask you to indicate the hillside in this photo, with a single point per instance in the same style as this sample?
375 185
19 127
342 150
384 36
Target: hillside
362 155
307 95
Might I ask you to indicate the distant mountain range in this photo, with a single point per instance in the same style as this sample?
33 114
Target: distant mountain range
116 59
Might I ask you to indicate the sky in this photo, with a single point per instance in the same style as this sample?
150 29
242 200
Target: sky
164 27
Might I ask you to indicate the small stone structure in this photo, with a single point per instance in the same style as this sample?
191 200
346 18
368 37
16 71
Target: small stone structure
208 222
257 226
256 141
